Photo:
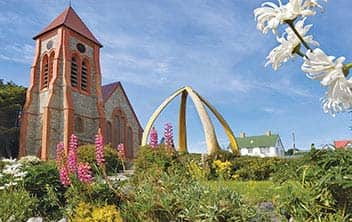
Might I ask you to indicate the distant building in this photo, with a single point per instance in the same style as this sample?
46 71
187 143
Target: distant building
268 145
343 144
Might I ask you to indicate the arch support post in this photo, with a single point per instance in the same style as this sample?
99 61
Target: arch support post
210 136
225 125
182 130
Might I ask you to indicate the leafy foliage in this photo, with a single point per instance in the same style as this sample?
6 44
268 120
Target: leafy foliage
256 168
86 212
18 205
174 196
86 154
12 99
325 181
37 180
159 159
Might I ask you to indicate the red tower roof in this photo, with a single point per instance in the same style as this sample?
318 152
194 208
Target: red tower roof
71 20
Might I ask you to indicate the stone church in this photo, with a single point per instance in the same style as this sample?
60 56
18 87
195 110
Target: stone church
65 95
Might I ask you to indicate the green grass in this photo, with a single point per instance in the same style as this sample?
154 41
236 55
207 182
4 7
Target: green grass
252 192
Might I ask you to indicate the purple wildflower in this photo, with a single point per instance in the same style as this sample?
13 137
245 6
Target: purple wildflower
72 154
168 135
99 149
64 176
84 173
153 139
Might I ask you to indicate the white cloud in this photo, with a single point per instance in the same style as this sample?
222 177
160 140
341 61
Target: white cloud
18 53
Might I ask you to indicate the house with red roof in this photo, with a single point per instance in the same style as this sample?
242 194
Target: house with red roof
66 97
342 144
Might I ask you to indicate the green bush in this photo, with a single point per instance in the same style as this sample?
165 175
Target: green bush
256 168
86 212
222 155
17 205
325 177
174 196
159 159
96 193
37 180
86 153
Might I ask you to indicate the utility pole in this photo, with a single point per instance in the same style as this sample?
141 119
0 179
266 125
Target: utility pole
294 142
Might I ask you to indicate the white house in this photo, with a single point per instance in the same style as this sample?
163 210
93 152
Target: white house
268 145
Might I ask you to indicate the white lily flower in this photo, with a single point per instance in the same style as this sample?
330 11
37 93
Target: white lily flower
10 184
313 3
319 66
20 174
2 188
339 96
270 15
329 72
12 169
11 161
289 41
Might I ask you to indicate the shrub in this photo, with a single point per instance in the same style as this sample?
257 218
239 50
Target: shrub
326 177
86 154
18 205
256 168
29 160
222 155
198 171
97 193
88 212
159 158
222 169
37 180
174 196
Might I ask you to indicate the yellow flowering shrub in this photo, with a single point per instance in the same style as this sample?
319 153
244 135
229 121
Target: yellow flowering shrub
86 212
198 172
222 169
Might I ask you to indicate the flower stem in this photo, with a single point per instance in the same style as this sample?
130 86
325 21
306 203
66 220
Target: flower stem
298 52
346 69
290 23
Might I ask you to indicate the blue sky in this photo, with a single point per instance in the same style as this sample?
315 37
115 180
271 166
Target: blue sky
155 47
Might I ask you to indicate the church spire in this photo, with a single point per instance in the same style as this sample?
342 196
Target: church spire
71 20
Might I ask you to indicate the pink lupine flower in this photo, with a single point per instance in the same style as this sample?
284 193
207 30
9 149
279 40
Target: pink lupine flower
121 151
60 155
72 154
168 135
84 173
64 176
99 149
153 139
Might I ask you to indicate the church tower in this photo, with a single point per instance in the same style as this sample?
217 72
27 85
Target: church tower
65 92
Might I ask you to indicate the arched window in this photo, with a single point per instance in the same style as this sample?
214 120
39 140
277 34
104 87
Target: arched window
45 72
123 130
108 132
129 143
119 125
79 127
117 131
51 66
74 72
84 76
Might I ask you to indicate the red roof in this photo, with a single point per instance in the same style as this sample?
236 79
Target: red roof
341 144
109 89
71 20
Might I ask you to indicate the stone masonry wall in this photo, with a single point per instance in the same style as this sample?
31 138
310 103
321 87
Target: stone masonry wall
118 99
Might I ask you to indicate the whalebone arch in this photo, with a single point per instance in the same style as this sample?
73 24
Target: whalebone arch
208 127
